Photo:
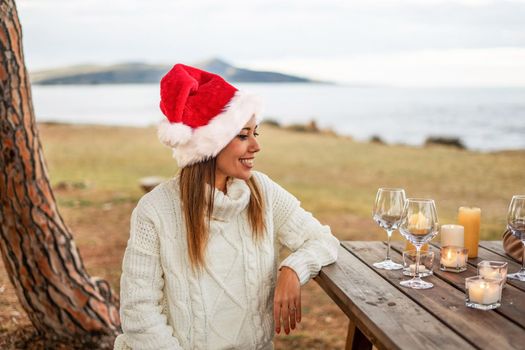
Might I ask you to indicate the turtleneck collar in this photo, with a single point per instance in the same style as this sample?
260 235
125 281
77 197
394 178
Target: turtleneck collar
227 206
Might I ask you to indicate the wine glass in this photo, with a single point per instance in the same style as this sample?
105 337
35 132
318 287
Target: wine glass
419 225
516 224
388 209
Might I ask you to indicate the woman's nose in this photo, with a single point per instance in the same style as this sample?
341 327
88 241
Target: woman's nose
254 146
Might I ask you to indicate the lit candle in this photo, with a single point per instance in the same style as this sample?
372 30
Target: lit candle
422 268
426 260
470 219
493 269
450 258
452 235
483 292
453 259
487 272
463 257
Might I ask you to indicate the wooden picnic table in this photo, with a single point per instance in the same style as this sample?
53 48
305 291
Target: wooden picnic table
383 313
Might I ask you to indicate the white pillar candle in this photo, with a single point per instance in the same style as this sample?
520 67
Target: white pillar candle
452 235
482 292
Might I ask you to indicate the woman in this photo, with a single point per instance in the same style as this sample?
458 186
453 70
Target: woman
200 268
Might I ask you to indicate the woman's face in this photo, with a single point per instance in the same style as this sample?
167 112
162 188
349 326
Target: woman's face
237 158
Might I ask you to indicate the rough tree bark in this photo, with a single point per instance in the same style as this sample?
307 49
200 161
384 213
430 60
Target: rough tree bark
62 301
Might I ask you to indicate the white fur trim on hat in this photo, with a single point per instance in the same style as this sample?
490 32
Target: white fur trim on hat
173 134
208 140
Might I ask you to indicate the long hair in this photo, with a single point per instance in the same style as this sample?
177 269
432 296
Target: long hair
197 206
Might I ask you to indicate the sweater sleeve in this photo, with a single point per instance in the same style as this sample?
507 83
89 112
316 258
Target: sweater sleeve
512 246
144 324
312 244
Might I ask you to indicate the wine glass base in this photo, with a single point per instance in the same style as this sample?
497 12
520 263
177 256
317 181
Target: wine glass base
416 284
388 265
411 273
517 276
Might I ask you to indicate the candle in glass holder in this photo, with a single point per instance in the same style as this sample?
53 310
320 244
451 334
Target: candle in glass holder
482 293
452 235
493 269
470 219
412 268
453 259
426 261
422 269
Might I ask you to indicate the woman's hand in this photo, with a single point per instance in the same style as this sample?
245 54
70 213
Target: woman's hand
287 300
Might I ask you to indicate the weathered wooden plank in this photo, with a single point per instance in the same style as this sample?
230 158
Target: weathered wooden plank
496 247
483 329
384 314
513 299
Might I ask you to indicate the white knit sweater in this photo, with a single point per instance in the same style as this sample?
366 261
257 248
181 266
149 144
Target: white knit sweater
164 305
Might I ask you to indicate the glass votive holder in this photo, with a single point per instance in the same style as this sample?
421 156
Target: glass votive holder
453 259
483 293
493 269
426 261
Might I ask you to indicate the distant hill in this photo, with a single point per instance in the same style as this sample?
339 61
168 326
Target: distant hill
141 73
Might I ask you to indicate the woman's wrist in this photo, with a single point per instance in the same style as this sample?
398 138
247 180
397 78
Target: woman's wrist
290 271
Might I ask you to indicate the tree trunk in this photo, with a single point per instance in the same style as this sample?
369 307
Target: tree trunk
62 301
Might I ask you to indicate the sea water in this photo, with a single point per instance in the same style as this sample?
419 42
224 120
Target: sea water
485 119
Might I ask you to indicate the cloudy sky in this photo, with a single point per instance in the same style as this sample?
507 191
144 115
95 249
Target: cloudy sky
396 42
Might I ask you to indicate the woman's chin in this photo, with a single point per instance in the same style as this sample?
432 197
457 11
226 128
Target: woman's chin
245 174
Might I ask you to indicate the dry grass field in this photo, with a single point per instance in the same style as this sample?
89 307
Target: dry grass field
95 172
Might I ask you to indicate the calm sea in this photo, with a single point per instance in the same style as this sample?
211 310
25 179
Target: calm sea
483 118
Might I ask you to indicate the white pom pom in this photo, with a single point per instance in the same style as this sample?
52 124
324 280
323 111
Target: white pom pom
174 134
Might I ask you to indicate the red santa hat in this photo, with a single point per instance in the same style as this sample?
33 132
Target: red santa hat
204 113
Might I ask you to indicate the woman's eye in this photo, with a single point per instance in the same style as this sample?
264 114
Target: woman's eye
242 137
255 134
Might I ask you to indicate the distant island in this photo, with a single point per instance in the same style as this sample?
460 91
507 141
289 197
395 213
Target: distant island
141 73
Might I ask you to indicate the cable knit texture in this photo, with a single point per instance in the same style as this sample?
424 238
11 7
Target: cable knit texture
164 305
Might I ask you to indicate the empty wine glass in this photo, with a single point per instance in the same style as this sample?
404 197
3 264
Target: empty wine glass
516 224
388 209
419 225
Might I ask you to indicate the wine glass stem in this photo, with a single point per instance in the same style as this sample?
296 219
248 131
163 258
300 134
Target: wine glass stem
418 248
522 271
389 235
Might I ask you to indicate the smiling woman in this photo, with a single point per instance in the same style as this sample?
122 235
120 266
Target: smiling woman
201 270
237 158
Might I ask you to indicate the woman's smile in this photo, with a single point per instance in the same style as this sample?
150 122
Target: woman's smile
247 162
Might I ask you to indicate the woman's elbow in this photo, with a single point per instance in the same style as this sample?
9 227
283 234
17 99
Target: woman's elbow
333 249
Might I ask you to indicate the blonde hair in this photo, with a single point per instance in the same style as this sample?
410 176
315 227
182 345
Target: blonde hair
197 208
